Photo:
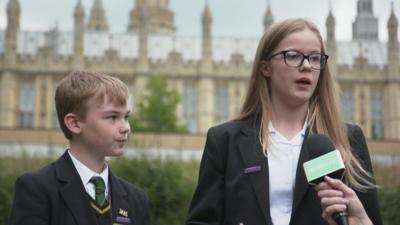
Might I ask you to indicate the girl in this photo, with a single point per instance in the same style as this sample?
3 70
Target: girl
251 171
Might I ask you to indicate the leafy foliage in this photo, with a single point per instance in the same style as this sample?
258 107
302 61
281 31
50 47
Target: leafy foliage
10 169
156 110
388 178
169 184
390 206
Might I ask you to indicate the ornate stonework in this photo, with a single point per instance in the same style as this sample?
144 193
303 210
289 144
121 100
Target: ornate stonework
210 73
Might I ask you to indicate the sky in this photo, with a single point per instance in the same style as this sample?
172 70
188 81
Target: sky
231 18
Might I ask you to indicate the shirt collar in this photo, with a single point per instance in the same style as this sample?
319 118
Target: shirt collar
272 130
85 173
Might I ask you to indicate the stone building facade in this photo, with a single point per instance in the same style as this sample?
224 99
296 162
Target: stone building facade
210 73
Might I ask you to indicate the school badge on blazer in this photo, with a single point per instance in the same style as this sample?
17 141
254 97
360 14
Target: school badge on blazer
122 218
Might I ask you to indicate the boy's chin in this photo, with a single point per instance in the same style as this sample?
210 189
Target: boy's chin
117 153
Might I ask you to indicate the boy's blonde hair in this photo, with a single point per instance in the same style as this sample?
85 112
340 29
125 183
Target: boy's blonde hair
75 91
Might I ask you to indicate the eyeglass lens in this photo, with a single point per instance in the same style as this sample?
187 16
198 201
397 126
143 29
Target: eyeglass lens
296 59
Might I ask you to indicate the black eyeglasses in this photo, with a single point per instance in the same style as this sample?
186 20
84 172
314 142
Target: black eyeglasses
295 58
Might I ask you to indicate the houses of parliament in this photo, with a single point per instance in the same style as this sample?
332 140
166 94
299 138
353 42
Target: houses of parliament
210 73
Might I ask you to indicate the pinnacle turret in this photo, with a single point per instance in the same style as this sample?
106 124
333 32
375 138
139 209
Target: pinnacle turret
97 19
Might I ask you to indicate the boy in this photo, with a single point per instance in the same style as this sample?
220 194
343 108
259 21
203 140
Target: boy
79 188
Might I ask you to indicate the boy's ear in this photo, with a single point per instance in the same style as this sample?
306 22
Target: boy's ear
71 121
265 68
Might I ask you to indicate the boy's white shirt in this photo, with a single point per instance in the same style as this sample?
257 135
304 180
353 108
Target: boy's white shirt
86 174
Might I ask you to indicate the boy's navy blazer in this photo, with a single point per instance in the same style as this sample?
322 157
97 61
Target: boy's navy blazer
55 195
233 183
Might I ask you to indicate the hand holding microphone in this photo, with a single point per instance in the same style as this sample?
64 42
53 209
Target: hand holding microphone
337 197
340 203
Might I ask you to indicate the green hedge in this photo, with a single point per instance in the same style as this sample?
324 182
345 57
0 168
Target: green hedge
390 206
388 178
170 183
10 169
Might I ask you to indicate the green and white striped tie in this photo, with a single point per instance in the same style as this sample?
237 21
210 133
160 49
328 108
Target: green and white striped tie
100 187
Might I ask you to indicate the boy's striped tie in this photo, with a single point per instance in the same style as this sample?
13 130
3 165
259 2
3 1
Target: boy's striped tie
100 188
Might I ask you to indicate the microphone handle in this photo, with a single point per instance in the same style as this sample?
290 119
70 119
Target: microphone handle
341 218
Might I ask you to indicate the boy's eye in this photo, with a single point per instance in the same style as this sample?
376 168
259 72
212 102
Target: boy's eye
112 117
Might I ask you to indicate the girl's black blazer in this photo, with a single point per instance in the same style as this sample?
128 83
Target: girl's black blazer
233 180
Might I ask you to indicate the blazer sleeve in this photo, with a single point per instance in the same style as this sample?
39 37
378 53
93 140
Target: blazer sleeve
207 206
368 198
30 205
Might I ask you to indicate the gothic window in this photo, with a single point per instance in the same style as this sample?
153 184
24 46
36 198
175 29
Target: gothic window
190 100
43 99
26 103
377 114
221 102
238 99
347 104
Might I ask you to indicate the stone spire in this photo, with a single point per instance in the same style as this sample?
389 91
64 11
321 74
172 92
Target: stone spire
160 17
330 25
143 61
268 17
8 78
393 44
331 49
79 14
13 22
206 61
97 20
365 27
79 32
206 84
163 4
392 119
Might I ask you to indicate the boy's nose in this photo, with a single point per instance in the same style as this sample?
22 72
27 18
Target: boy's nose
125 128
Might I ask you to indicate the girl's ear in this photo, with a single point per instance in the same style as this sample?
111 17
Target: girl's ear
265 68
72 122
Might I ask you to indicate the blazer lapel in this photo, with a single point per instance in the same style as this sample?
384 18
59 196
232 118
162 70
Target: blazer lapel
119 203
252 155
301 184
73 191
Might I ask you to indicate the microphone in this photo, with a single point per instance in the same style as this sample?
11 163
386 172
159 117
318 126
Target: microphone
325 161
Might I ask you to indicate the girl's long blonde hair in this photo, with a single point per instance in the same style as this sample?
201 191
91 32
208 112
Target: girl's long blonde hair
324 115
